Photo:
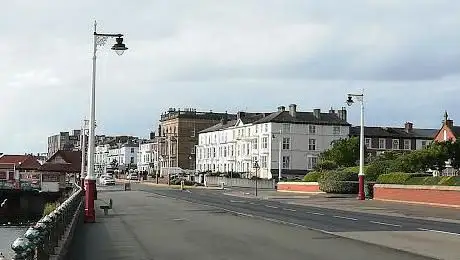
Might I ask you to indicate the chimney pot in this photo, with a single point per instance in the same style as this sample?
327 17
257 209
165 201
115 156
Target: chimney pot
450 123
408 126
281 109
293 110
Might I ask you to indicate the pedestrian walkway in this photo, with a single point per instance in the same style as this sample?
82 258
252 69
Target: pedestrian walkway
348 202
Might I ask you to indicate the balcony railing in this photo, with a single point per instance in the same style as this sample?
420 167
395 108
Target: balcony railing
51 235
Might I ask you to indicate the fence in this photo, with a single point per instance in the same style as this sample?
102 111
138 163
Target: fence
51 235
239 182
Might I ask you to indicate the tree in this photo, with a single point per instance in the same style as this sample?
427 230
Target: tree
344 152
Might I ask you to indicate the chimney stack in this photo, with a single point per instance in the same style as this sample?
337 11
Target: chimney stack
317 112
293 110
450 123
408 126
281 109
342 114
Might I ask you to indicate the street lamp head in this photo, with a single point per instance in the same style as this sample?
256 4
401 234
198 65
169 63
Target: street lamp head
119 47
350 100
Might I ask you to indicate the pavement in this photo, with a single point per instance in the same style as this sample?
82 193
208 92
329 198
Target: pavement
161 223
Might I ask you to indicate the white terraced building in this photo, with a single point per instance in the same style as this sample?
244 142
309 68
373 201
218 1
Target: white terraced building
234 146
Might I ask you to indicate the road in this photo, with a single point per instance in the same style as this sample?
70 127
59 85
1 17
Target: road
156 223
426 237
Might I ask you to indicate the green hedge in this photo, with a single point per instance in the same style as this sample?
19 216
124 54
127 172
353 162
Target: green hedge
342 182
311 176
393 178
418 179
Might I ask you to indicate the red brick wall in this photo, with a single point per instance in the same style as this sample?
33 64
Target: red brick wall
431 195
298 187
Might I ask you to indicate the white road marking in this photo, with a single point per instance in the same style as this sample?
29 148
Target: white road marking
342 217
316 213
252 203
385 224
439 231
273 207
293 210
237 201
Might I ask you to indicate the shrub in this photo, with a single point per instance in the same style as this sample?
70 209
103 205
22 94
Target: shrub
326 165
393 178
377 168
311 176
450 181
342 182
49 207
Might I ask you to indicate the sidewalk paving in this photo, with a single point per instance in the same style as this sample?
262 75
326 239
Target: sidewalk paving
348 202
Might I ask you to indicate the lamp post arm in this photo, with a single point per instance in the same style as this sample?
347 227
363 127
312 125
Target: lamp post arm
114 35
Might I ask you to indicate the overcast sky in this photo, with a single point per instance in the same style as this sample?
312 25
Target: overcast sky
248 55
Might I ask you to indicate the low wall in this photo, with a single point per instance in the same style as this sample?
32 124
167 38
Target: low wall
298 187
239 182
448 196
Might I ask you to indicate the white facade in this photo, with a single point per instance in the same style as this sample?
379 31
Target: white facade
146 157
102 157
236 148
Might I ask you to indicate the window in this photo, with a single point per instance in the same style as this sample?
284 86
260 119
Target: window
312 144
254 144
368 143
132 150
263 161
381 143
424 144
286 162
231 150
395 145
336 130
131 160
214 152
311 162
249 131
248 147
266 127
312 129
406 144
264 142
286 128
286 143
225 151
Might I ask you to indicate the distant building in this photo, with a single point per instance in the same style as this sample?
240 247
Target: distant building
380 139
177 136
235 145
119 151
66 141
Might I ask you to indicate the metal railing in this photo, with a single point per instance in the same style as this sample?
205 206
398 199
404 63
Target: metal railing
49 237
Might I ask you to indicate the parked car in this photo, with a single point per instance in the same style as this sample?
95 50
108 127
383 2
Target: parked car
133 176
108 180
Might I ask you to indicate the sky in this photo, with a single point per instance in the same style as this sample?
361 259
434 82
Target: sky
238 55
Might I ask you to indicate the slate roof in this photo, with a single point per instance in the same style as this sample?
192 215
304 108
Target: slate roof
303 118
394 132
246 119
456 130
282 117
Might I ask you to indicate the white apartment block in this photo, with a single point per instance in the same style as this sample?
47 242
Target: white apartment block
101 157
123 154
235 146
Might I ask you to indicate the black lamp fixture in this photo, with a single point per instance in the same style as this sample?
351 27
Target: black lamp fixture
119 47
350 100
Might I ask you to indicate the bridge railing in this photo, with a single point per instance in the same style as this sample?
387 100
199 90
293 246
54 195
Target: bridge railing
51 235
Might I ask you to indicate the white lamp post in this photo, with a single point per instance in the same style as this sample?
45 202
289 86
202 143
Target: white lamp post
360 98
90 179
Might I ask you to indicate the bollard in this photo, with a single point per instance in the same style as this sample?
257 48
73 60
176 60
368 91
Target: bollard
222 185
182 184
